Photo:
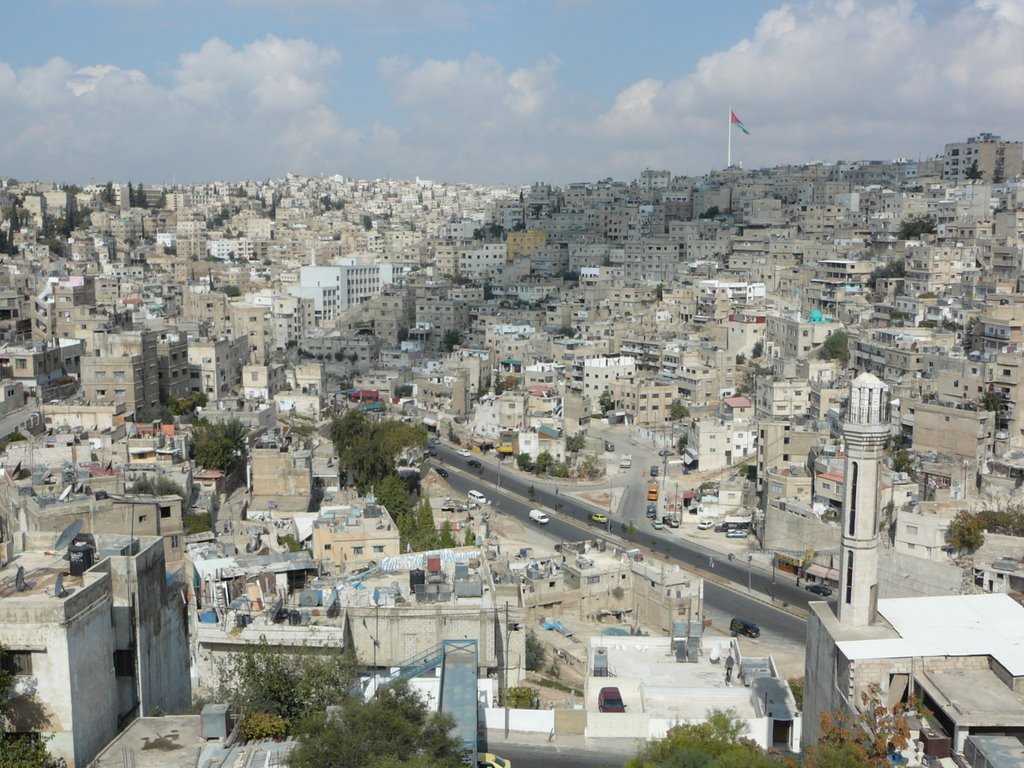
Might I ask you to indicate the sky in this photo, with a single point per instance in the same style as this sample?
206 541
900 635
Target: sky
493 91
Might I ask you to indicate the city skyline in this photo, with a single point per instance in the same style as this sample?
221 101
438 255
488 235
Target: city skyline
559 91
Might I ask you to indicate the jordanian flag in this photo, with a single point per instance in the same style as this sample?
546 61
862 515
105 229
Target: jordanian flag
734 119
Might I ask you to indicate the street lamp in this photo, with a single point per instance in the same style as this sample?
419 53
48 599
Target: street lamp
750 559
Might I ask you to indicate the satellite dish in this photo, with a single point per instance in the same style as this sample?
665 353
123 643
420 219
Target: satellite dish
68 535
58 587
19 579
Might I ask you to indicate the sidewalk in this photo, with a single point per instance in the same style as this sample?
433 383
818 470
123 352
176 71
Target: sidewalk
616 746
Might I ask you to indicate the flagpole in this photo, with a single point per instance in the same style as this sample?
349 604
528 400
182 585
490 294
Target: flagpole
728 127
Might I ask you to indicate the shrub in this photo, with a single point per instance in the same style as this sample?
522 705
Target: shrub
262 725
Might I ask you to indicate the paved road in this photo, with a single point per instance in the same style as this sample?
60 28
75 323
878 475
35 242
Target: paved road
725 581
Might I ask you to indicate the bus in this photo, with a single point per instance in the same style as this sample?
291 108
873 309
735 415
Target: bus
652 492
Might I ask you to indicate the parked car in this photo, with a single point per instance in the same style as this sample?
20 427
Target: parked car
431 452
665 452
657 524
474 463
598 517
464 452
610 700
609 446
819 589
654 470
704 525
740 626
670 521
737 533
441 471
721 528
652 511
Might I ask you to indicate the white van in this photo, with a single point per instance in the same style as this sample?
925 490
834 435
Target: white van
539 516
476 497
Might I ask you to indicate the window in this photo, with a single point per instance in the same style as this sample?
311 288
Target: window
174 542
17 662
124 664
849 578
378 547
142 518
20 363
593 579
165 512
327 547
912 530
357 550
852 510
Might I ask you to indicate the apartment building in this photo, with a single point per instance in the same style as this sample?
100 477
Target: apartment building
985 156
601 374
123 366
216 365
351 536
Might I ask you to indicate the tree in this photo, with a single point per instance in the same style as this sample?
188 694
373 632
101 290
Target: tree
575 443
589 467
837 347
868 736
710 213
915 226
285 681
155 486
218 446
17 750
993 401
394 729
902 461
718 742
605 402
524 461
681 443
534 653
974 173
447 539
678 411
451 339
544 461
966 532
757 350
469 539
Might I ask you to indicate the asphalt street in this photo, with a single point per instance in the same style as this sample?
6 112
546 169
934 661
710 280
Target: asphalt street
726 582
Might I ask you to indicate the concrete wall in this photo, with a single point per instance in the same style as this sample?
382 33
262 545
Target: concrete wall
70 694
789 532
904 575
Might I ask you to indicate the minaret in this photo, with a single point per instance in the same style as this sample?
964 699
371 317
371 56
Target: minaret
865 431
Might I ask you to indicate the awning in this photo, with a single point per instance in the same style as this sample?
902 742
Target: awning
821 572
506 449
690 456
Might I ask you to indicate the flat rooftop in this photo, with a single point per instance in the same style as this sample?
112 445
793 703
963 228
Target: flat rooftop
652 681
155 742
948 625
41 570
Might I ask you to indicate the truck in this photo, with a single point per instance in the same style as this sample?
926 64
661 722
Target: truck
539 516
625 461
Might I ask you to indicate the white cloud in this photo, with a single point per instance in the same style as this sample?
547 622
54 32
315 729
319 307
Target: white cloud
831 78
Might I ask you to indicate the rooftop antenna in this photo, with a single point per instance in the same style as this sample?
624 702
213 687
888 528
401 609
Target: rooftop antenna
58 587
68 535
19 579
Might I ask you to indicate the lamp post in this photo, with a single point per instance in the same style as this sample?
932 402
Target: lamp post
750 559
611 494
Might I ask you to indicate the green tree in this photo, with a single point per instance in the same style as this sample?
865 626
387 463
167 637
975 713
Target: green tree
915 226
710 213
523 460
394 729
17 751
966 532
285 681
576 442
544 461
220 445
589 467
534 653
155 486
678 411
469 539
447 539
757 350
993 401
902 461
718 742
974 173
451 339
605 402
837 347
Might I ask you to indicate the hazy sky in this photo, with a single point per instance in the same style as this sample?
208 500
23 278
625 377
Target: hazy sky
493 91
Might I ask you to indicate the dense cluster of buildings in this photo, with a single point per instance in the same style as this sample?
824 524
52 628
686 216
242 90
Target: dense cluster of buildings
728 316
